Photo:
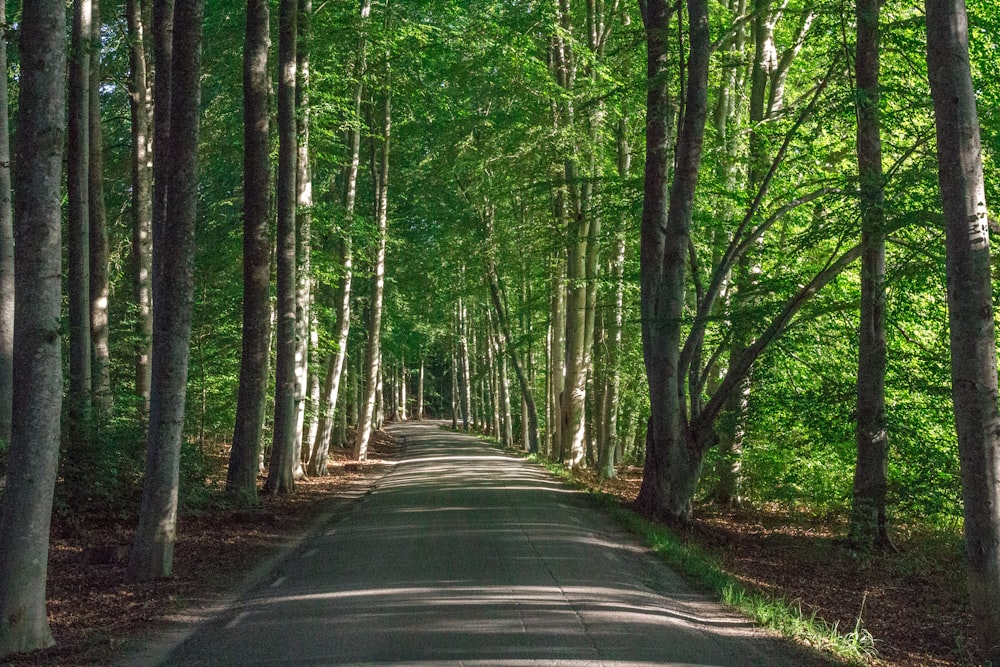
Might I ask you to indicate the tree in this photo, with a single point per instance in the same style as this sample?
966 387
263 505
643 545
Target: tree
141 108
869 527
970 307
99 289
38 379
671 466
281 467
303 227
241 477
373 355
173 285
78 229
342 301
6 254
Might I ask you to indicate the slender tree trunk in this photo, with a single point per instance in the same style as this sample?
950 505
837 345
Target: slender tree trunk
241 477
557 359
671 461
970 307
37 358
869 527
99 279
280 473
173 290
372 379
6 255
454 390
420 390
465 379
303 225
140 104
78 228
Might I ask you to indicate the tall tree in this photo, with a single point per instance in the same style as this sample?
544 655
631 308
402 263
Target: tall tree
280 474
868 514
970 307
303 227
173 287
78 228
670 462
141 108
373 356
38 382
99 291
342 300
6 252
241 476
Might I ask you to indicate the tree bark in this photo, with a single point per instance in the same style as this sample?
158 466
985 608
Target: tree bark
173 293
78 232
37 355
241 477
99 271
140 105
970 307
373 355
303 225
869 526
280 473
342 325
664 242
6 255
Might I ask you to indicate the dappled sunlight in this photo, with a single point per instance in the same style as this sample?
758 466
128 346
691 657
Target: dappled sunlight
462 553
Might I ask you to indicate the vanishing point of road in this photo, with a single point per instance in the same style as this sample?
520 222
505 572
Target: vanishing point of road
465 555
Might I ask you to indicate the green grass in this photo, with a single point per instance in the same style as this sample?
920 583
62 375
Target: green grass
854 647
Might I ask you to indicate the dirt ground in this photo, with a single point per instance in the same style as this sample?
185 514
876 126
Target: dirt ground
913 601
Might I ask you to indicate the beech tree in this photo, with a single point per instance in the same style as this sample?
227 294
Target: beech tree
671 467
173 285
280 474
241 476
137 15
868 517
970 307
37 372
78 229
6 255
99 288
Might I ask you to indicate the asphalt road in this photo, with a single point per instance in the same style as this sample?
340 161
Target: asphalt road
465 555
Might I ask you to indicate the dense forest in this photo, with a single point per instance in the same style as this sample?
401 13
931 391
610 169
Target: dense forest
742 244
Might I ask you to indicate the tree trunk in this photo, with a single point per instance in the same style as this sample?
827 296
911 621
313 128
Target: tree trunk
303 225
173 292
37 358
280 473
78 229
420 390
241 477
140 105
99 279
970 307
664 241
342 326
454 391
557 359
869 527
465 379
373 356
6 255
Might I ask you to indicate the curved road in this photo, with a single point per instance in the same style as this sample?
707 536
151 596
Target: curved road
464 555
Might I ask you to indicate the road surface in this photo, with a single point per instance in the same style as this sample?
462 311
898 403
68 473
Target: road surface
465 555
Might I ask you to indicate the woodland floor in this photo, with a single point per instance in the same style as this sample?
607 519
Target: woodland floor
912 601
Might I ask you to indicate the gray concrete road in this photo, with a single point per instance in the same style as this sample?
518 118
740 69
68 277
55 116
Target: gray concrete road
465 555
